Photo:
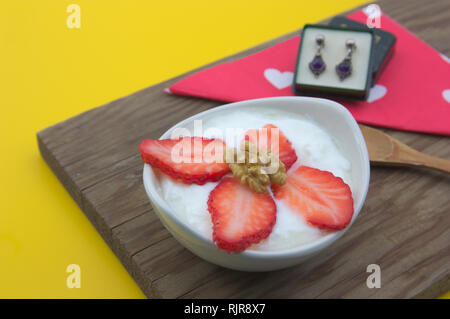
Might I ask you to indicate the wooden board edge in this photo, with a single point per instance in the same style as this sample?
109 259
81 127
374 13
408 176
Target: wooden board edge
99 225
58 170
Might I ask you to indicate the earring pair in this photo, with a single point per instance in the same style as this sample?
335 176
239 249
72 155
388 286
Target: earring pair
343 69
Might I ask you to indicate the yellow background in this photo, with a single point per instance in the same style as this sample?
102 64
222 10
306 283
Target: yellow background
49 72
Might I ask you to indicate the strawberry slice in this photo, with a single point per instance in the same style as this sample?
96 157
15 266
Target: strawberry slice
189 159
240 216
262 138
322 198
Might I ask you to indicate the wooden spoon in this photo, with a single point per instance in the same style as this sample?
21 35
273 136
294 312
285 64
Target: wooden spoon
386 150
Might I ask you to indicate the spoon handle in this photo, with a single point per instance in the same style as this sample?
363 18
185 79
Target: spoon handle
388 151
412 157
433 162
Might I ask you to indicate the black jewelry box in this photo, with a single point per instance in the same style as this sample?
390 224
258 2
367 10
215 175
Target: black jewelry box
328 82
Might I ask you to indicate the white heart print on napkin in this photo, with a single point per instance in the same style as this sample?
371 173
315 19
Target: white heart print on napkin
280 80
376 93
446 95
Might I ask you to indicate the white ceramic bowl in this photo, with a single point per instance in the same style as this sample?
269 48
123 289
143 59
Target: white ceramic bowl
331 116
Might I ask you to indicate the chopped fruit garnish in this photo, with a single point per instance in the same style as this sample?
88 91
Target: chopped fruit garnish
322 198
262 138
189 159
240 216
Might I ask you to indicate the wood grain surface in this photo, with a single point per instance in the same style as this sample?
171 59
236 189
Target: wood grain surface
404 226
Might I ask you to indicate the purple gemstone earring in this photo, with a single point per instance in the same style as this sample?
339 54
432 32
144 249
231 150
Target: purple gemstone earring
344 69
317 65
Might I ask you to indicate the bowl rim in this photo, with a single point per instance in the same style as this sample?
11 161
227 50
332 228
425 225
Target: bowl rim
314 246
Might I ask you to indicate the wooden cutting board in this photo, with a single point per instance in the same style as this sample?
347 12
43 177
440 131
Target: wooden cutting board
404 226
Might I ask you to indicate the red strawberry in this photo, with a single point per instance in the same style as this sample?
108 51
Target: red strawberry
322 198
194 160
262 138
240 216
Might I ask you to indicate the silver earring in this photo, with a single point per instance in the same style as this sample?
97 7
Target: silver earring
317 65
344 69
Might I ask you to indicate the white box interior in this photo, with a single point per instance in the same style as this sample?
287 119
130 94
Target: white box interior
333 53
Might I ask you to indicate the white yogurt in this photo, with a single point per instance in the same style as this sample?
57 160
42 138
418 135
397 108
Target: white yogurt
314 147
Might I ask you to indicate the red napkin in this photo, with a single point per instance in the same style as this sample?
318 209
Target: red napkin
413 93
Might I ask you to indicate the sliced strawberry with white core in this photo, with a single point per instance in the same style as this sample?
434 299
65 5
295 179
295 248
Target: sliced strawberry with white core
240 216
270 138
323 199
190 159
